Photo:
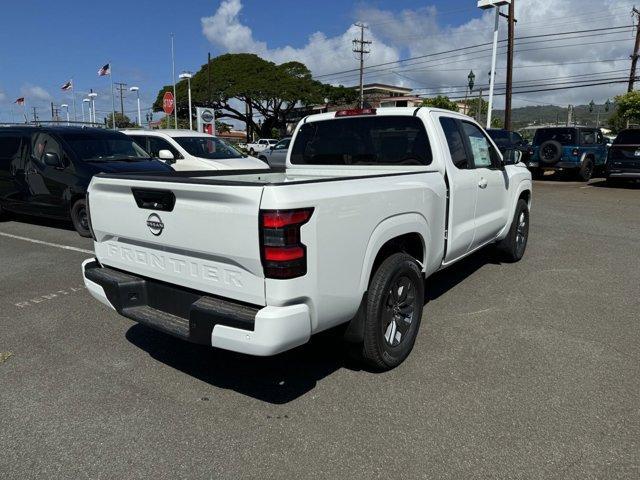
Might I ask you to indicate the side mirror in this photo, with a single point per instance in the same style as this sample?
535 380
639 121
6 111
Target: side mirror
166 155
272 147
52 160
512 157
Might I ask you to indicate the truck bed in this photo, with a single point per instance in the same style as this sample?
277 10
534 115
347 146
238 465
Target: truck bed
268 177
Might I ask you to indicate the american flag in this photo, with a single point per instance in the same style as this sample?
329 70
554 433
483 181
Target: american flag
20 101
105 70
67 86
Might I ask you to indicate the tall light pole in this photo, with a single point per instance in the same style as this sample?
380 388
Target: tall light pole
84 100
188 76
92 111
485 4
66 107
137 90
173 77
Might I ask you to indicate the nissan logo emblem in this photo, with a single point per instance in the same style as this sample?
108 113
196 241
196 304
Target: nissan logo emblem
154 222
206 116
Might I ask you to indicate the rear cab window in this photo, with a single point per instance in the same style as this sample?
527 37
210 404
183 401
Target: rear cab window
628 137
565 136
371 140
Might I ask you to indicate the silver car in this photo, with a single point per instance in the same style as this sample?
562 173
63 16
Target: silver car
276 156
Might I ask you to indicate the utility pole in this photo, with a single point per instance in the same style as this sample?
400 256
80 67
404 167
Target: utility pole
569 115
52 113
360 47
510 43
35 114
634 58
121 88
479 119
209 78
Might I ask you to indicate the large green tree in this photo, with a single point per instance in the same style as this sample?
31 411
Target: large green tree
627 109
271 91
441 101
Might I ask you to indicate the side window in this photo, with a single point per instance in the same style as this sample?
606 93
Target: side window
483 153
44 143
455 142
283 145
9 148
141 141
587 137
517 138
156 144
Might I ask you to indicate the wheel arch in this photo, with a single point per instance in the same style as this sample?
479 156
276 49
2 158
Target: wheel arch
401 233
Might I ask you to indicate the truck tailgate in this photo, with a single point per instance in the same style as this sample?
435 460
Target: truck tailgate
199 236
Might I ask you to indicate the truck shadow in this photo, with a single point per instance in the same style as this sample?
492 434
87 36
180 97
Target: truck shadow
278 380
288 376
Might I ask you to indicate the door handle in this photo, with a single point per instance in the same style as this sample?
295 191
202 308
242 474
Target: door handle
483 183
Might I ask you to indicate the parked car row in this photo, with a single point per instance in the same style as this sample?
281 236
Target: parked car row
580 152
45 171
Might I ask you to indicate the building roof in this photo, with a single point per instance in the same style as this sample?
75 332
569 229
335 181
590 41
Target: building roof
384 86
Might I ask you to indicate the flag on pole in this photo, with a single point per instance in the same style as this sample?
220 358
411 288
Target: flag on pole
67 86
20 101
105 70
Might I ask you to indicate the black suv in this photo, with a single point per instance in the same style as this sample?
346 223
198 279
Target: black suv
45 171
623 161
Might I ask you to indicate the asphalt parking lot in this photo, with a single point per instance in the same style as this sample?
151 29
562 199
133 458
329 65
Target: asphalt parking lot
528 370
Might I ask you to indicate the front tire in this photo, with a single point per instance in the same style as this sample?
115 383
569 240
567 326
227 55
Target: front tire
80 218
513 246
393 312
586 170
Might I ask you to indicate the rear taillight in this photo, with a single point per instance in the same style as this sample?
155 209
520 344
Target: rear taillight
575 152
283 254
354 112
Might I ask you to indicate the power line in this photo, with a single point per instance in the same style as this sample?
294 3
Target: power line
470 47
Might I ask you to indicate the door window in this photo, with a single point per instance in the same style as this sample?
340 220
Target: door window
9 148
156 144
483 153
141 141
283 145
587 137
44 143
455 143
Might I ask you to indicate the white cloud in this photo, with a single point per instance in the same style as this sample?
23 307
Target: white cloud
34 92
321 54
423 31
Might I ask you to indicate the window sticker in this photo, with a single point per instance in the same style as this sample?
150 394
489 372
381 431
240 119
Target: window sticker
480 152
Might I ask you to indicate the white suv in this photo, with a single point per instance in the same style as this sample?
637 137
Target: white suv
189 150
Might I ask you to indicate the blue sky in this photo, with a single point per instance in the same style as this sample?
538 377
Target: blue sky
44 43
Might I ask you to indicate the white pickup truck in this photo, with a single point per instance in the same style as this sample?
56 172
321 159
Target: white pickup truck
370 203
261 145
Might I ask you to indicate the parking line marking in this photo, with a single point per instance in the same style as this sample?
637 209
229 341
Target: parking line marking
42 242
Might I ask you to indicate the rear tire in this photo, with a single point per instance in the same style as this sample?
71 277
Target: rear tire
3 214
586 170
393 311
80 218
513 246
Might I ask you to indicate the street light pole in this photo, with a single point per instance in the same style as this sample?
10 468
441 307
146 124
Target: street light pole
485 4
66 107
137 90
84 100
173 76
92 111
188 76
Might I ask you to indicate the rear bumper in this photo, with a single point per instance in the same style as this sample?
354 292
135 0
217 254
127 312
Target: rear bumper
196 317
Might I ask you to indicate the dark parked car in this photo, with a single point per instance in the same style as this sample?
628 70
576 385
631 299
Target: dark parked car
508 142
45 171
623 161
579 151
